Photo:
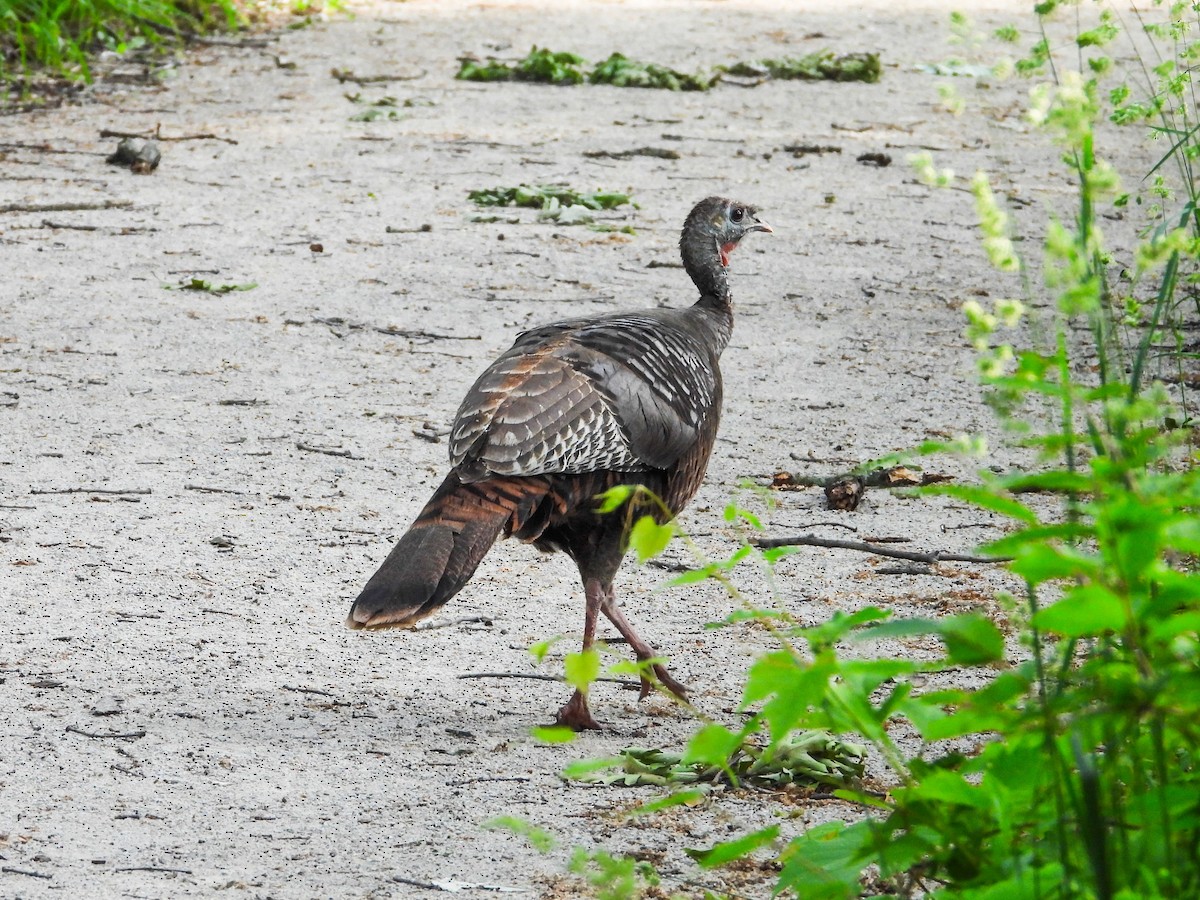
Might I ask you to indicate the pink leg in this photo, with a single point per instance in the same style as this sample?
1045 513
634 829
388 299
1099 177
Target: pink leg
641 649
575 713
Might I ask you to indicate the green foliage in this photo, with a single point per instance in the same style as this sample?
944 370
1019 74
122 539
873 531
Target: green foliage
202 286
613 877
553 734
543 195
648 539
728 851
716 755
822 65
582 668
540 839
620 71
547 67
62 35
540 65
1093 789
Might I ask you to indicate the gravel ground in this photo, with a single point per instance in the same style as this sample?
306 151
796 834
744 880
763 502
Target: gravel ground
194 486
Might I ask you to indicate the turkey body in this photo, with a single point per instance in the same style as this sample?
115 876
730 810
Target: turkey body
573 409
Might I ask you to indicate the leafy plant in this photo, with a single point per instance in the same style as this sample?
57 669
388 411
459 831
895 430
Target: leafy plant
613 877
620 71
555 202
822 65
539 196
810 757
1080 774
540 65
207 287
61 36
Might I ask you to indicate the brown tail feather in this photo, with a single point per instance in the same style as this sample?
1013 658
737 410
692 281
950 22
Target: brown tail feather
441 550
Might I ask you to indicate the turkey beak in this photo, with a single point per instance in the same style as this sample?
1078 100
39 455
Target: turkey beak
760 225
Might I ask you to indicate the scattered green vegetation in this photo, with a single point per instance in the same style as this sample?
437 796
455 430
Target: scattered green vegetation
539 65
1080 775
207 287
620 71
61 36
377 111
613 877
547 67
819 66
809 757
540 196
554 202
607 877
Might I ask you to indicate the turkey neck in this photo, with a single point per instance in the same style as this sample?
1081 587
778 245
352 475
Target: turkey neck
702 261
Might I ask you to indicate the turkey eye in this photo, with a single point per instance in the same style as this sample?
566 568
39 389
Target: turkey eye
738 214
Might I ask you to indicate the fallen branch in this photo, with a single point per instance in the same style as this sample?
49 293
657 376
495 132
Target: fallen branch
937 556
141 733
538 677
328 451
86 490
66 226
10 870
212 490
153 869
480 778
64 207
304 690
417 334
656 152
157 135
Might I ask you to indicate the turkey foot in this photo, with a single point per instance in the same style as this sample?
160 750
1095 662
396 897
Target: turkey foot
575 714
641 649
664 678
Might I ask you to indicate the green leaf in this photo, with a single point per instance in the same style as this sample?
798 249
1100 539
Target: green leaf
986 498
1041 562
540 839
1184 535
582 668
613 498
541 648
826 862
971 640
553 734
945 787
898 628
720 854
1054 481
713 745
840 625
648 538
577 770
1086 611
680 798
692 576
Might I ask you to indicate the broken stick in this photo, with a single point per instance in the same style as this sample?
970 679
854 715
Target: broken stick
936 556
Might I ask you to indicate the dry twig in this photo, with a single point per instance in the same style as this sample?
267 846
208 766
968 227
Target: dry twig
936 556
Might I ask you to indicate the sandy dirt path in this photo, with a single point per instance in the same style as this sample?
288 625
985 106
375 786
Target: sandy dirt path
177 554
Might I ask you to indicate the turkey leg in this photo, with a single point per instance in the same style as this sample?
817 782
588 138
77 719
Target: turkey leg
575 713
643 650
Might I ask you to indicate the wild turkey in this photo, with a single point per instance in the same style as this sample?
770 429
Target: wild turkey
573 409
